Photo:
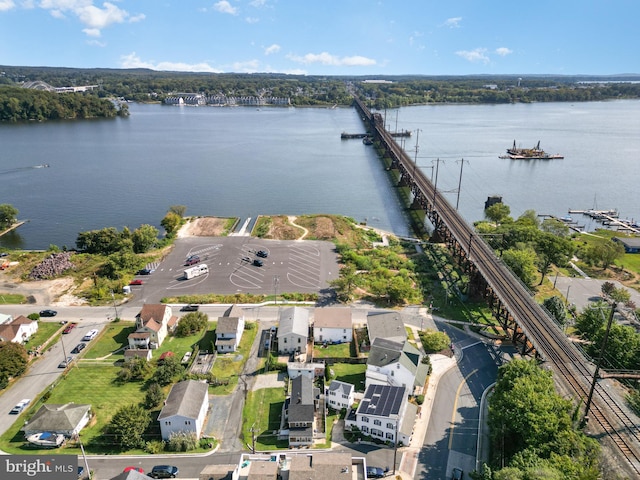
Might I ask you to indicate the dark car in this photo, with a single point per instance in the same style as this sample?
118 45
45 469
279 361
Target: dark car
65 363
80 472
262 253
78 348
375 472
48 313
192 260
69 327
190 308
257 262
144 271
163 471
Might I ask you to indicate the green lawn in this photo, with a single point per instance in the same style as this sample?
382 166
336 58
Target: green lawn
229 365
263 411
339 350
11 298
47 332
350 373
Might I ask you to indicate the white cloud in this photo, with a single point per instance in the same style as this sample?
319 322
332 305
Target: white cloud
503 51
252 20
258 3
92 17
325 58
223 6
453 22
476 55
250 66
6 5
275 48
96 43
133 61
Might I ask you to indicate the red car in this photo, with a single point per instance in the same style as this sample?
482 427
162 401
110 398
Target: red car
69 327
137 469
135 282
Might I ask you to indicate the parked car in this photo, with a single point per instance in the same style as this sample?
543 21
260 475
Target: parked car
90 335
128 469
262 253
65 363
80 471
192 260
375 472
457 474
190 308
20 406
163 471
257 262
78 348
48 313
69 327
136 281
144 271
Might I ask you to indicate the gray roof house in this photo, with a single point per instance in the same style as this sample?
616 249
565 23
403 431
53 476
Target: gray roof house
396 364
630 244
293 330
322 466
387 325
301 411
66 419
228 333
185 409
340 395
131 475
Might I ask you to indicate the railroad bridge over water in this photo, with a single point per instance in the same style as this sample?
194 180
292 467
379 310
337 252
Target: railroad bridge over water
525 321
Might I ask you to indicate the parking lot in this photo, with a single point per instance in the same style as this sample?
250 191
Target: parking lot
289 266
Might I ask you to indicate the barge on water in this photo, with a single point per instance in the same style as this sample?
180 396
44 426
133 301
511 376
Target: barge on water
535 153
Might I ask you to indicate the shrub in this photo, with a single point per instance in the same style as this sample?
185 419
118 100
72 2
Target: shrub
182 442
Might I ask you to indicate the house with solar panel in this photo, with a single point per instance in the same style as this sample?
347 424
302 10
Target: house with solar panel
397 364
386 414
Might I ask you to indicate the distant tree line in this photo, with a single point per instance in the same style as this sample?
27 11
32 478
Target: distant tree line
21 104
392 91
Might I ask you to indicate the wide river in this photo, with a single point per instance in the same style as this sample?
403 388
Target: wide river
244 162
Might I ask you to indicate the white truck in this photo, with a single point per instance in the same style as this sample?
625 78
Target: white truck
196 271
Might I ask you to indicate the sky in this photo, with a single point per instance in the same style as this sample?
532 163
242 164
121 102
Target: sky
326 37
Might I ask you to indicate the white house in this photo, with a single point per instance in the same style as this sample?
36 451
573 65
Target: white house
185 409
66 419
332 325
228 333
18 330
384 412
340 395
396 364
293 330
309 370
152 326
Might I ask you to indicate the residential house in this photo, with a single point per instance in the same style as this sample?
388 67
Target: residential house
131 353
293 330
332 325
185 409
386 414
310 370
66 419
131 475
300 411
387 325
340 395
220 472
228 333
322 466
152 326
263 471
630 244
396 364
5 318
18 330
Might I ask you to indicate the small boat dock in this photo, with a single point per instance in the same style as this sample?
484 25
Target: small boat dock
609 218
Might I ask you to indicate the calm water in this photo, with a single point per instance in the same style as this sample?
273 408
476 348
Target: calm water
244 162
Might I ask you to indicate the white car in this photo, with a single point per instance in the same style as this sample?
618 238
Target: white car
20 406
90 335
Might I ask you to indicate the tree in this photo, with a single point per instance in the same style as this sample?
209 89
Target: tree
144 237
591 320
8 215
135 369
555 227
191 323
556 307
434 341
154 396
346 282
607 252
552 250
171 222
607 288
119 263
13 359
169 369
497 213
522 263
129 425
179 210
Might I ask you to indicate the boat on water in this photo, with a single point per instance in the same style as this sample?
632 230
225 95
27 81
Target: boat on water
46 439
535 153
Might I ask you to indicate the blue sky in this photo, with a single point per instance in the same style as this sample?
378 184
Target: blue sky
326 37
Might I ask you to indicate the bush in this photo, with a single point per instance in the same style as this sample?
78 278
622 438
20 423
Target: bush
154 447
420 399
434 341
182 442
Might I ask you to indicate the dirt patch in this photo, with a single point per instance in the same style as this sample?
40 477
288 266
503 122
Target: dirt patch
204 227
281 228
58 292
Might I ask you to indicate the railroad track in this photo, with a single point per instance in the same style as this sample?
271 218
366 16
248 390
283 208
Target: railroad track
571 368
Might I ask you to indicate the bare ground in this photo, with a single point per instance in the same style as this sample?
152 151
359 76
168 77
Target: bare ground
203 227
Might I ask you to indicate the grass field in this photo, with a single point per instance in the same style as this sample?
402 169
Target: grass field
350 373
262 412
339 350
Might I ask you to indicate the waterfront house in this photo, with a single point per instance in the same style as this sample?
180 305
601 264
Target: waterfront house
630 244
152 326
185 409
332 325
293 330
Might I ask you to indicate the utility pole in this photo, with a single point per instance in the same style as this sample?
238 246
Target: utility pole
113 297
459 183
276 281
435 185
595 374
395 446
415 158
